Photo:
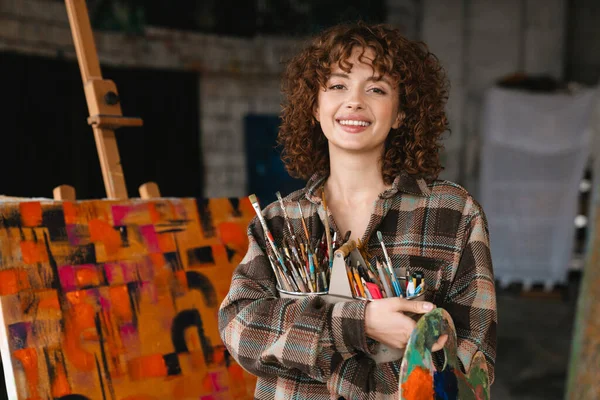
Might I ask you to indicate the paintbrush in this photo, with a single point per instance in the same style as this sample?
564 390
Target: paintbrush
286 218
327 232
266 230
304 227
393 277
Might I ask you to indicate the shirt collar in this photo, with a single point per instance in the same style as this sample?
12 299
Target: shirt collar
404 183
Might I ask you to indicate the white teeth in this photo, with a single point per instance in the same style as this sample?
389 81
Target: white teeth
354 123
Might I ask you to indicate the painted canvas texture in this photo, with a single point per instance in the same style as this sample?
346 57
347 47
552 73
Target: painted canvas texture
118 300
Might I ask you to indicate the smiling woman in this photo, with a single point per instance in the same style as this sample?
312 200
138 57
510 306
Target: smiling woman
362 118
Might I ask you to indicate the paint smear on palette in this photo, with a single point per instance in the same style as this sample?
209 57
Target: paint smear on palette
419 385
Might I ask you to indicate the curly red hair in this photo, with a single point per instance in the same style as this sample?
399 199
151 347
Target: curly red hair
422 89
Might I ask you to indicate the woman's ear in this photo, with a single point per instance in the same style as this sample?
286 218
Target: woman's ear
316 112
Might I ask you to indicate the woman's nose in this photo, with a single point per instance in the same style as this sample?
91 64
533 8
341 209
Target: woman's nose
355 100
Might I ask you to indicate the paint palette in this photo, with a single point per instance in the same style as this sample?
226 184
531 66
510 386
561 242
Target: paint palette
419 378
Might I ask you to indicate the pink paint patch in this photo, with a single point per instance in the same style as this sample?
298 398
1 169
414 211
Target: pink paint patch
150 238
114 273
104 303
128 330
66 275
119 214
129 271
219 381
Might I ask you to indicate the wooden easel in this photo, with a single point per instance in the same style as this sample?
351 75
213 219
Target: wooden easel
104 108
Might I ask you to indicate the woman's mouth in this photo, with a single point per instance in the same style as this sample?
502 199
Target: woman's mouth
353 125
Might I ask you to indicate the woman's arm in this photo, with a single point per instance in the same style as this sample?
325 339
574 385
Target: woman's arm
471 299
268 335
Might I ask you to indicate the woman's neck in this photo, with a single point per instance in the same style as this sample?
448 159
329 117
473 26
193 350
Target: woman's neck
354 178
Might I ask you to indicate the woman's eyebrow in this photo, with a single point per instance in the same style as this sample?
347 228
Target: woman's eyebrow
379 79
370 79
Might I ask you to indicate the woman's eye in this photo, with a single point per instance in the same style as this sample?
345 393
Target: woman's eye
378 91
336 87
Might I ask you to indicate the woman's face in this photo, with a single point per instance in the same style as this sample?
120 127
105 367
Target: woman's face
356 110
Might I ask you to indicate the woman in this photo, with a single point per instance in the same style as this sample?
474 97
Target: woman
362 118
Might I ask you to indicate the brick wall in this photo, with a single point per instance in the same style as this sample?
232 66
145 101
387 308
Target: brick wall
237 76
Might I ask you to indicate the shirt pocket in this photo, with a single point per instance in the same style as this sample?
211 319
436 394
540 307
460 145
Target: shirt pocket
432 269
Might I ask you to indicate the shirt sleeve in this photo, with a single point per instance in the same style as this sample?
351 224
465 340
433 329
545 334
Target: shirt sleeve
471 299
268 335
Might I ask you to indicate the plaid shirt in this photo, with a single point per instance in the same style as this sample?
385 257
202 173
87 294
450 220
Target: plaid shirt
306 349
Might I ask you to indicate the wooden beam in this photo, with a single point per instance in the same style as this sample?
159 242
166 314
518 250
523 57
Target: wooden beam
102 97
149 190
64 193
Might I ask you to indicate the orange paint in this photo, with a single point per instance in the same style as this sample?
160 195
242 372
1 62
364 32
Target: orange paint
154 215
87 277
60 383
182 278
13 281
102 232
119 303
33 252
158 260
70 212
31 213
79 322
236 381
245 207
49 301
29 360
419 385
140 397
152 366
219 254
233 235
166 243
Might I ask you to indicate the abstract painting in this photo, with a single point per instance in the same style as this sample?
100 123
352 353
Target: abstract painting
118 300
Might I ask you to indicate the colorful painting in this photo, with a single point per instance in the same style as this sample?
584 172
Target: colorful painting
118 300
419 379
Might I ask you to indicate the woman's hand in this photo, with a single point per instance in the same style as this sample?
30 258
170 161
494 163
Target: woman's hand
385 321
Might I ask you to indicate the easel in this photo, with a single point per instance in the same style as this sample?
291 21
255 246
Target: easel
104 108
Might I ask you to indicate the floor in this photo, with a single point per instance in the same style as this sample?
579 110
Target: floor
534 341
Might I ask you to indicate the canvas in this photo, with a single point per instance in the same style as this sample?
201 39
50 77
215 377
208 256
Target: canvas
118 300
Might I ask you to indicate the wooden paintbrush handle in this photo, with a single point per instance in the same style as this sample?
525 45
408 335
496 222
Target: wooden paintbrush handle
346 248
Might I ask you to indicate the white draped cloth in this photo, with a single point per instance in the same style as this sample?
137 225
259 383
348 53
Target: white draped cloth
534 151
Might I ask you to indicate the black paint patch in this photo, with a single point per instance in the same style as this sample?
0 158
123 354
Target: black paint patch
173 260
83 254
184 320
208 228
230 253
200 255
199 282
172 363
235 204
123 234
53 218
11 218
